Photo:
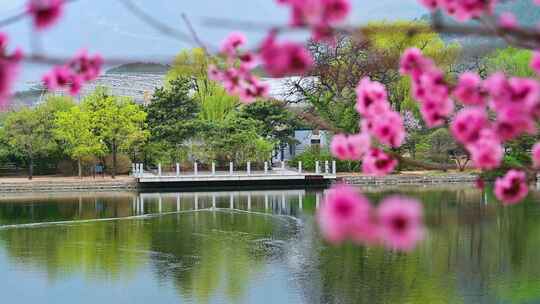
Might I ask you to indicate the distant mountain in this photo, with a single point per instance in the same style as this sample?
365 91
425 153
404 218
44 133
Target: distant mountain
140 68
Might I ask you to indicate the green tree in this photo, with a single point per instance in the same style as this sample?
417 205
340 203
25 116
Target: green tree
74 129
510 60
26 133
116 121
171 113
278 123
337 70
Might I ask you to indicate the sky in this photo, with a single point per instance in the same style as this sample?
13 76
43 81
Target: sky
106 27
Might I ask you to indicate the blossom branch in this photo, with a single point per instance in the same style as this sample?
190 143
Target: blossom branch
156 24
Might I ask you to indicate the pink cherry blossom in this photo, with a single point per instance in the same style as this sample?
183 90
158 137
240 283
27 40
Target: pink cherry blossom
413 63
388 129
346 214
45 13
336 10
430 4
463 10
479 183
469 89
239 81
74 74
512 188
435 112
468 123
319 15
284 58
401 224
428 87
486 152
351 147
370 93
86 66
513 121
535 61
232 43
536 155
214 73
514 92
9 68
378 163
507 20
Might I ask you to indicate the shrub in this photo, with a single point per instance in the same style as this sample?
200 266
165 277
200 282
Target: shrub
123 164
311 155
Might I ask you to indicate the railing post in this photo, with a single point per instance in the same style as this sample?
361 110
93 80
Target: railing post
248 168
334 167
213 168
265 167
134 170
195 168
299 167
141 171
283 165
177 169
231 168
317 167
159 170
326 167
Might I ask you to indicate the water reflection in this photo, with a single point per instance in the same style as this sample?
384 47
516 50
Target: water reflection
260 247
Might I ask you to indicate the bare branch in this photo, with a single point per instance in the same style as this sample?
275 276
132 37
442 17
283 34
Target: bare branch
156 24
194 34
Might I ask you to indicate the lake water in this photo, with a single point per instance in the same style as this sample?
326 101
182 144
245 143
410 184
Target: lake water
259 247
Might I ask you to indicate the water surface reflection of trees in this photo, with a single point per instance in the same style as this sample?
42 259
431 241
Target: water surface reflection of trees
476 251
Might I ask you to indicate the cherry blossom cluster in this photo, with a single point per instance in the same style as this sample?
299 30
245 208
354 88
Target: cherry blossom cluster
45 13
379 121
81 69
346 214
278 59
237 77
428 87
9 68
461 10
74 74
319 15
514 101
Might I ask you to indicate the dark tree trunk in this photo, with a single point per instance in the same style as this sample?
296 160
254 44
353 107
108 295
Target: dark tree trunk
31 168
113 171
80 167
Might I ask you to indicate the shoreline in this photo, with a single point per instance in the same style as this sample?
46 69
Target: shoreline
66 184
128 183
408 179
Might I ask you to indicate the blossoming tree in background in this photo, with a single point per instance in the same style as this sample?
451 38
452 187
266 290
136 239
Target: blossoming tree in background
482 114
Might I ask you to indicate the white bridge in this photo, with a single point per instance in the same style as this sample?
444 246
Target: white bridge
324 172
